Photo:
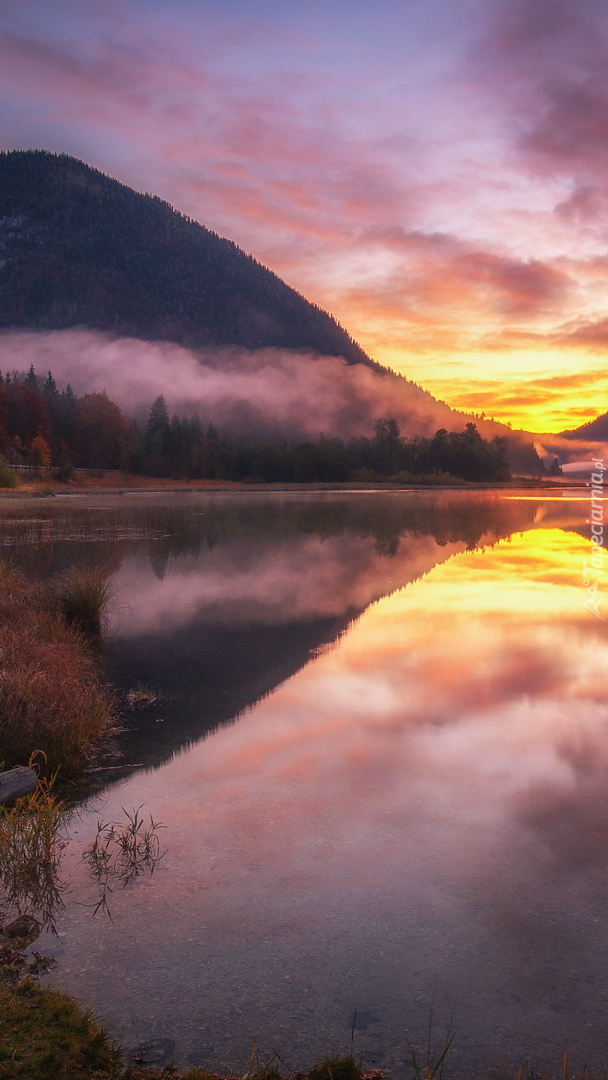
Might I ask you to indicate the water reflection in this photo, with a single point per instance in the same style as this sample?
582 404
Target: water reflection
424 803
236 598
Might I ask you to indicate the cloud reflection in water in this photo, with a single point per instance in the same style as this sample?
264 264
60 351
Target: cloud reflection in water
425 801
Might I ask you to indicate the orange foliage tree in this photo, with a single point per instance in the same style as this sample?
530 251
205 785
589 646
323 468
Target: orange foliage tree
101 435
39 452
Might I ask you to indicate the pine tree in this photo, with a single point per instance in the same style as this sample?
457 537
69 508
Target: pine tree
158 419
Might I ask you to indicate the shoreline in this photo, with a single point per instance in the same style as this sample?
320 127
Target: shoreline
120 483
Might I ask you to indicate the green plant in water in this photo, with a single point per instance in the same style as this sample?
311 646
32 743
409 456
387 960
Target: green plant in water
434 1057
121 851
32 842
140 696
264 1070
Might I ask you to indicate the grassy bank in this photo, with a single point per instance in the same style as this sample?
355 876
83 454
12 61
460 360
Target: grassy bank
91 481
51 697
46 1035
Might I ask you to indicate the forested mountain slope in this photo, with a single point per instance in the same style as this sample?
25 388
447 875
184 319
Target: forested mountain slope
80 249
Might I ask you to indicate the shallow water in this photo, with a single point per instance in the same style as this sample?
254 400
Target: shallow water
380 753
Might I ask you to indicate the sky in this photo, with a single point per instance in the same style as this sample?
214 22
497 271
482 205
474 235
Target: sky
432 172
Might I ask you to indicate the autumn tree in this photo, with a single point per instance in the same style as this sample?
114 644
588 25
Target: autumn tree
39 452
27 414
101 436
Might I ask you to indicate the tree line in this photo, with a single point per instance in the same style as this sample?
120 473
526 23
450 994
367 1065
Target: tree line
45 427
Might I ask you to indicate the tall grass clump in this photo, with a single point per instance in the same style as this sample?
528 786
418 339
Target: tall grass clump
82 596
51 695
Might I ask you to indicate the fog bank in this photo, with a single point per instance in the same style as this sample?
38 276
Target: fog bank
270 391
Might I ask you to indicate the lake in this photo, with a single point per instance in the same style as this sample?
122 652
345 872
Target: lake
380 753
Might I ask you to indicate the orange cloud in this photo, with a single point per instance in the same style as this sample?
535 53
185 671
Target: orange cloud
431 237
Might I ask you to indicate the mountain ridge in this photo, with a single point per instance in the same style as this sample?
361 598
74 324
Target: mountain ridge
594 430
78 248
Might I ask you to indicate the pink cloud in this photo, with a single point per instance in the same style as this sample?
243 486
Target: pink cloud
592 334
544 64
440 280
430 197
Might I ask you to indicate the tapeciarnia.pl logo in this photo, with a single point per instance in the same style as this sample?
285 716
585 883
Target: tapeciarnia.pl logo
593 570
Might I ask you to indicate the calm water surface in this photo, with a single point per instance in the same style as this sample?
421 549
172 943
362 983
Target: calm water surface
381 756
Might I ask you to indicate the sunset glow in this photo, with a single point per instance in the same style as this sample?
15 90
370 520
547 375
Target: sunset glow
432 174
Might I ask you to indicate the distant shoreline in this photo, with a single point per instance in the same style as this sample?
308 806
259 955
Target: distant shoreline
90 483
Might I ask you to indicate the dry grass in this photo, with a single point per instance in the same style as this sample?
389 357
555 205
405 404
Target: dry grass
30 852
51 697
564 1071
82 597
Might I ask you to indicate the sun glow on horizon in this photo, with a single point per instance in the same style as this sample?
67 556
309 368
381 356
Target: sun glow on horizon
532 389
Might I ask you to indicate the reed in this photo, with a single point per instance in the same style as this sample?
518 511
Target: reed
121 851
431 1065
82 597
31 844
51 696
564 1071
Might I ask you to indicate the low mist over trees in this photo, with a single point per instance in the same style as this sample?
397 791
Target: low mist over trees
43 426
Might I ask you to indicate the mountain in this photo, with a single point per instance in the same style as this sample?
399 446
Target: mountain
595 431
80 249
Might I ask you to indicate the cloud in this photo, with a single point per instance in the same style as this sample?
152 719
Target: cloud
541 403
235 149
587 203
592 334
441 275
544 63
577 380
572 133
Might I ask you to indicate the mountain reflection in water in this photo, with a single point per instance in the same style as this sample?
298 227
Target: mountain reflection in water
227 608
423 805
